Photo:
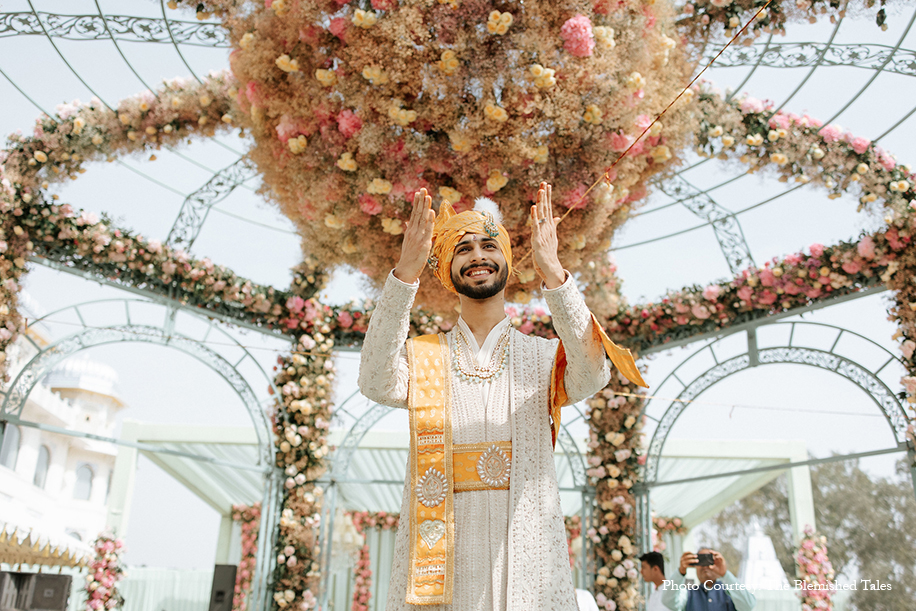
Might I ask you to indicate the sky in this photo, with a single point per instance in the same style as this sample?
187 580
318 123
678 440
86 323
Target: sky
251 237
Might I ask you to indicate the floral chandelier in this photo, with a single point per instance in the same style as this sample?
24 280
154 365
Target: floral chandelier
353 106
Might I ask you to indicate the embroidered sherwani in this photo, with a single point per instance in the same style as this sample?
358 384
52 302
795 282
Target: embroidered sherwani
510 545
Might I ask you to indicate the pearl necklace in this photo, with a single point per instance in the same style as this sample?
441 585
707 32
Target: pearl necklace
465 365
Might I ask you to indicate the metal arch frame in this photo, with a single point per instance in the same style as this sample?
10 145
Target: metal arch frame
725 224
48 356
121 27
828 360
165 335
877 71
805 54
197 205
340 466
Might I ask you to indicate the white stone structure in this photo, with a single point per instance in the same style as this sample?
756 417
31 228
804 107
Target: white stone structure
58 484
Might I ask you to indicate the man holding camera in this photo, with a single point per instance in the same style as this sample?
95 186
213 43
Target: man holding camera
718 589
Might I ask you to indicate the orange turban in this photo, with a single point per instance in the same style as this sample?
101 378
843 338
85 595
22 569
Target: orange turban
450 227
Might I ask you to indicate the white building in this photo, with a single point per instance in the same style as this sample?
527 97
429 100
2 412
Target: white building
57 485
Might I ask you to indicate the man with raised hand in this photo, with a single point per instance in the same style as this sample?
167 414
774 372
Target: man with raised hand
481 525
718 590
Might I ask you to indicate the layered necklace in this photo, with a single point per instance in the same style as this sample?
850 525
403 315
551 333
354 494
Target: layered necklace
465 365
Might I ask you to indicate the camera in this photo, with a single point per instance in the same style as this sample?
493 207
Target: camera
705 560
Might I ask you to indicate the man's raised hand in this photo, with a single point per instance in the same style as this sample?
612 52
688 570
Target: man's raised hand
544 242
418 239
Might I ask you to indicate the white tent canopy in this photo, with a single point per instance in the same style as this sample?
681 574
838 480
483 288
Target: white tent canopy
374 481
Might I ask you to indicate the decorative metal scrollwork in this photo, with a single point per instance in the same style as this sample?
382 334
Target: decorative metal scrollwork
723 222
197 205
807 54
45 361
121 27
859 375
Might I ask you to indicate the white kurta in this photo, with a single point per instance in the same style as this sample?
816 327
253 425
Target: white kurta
510 545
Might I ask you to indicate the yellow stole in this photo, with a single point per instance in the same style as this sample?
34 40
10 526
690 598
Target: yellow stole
620 357
432 520
433 480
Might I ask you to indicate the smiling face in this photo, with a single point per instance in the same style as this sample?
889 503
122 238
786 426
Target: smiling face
479 269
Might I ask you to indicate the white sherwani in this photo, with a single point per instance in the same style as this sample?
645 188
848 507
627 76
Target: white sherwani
510 545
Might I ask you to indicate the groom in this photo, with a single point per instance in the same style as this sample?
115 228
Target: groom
481 525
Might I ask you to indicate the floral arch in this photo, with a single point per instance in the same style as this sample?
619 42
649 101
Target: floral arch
741 131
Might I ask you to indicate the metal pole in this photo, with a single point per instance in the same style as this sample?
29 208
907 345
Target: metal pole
270 510
643 530
326 539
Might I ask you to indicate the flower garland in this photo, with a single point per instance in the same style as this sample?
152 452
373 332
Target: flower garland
798 148
664 526
815 571
32 221
301 422
363 574
106 570
615 434
702 15
250 518
349 122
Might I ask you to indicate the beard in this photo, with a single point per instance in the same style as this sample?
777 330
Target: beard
483 291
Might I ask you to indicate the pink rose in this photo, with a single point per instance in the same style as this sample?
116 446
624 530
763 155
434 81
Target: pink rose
860 145
349 123
526 327
700 311
287 128
345 319
576 198
907 348
369 204
295 304
751 105
885 159
338 27
830 133
767 278
852 267
384 5
253 93
577 36
909 382
816 249
780 120
711 292
621 142
768 297
866 248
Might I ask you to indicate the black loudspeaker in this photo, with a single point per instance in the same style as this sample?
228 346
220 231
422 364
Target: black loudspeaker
223 587
45 592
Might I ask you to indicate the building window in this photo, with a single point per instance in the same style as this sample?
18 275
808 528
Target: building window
83 488
41 467
9 449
